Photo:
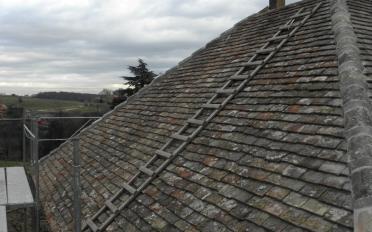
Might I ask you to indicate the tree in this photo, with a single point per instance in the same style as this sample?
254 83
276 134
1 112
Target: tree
105 96
20 100
123 92
142 76
120 95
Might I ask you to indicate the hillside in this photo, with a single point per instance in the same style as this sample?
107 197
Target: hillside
52 105
67 96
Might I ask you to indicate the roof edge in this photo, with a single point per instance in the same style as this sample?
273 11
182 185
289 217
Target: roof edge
127 101
357 109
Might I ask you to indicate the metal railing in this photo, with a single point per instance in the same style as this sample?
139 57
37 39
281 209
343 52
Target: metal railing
31 135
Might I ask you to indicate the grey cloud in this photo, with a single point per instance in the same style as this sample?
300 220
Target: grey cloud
86 45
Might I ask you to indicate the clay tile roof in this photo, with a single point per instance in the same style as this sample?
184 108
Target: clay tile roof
274 158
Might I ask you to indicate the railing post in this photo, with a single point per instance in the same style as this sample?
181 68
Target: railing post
35 167
24 159
23 137
76 184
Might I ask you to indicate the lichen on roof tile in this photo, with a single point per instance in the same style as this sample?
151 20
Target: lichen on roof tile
273 159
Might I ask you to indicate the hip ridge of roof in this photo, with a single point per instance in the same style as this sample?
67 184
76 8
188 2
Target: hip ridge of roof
357 109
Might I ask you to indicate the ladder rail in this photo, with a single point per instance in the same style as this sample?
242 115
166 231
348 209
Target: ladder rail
241 79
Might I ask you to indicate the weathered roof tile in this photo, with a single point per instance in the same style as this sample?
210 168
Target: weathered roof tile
274 158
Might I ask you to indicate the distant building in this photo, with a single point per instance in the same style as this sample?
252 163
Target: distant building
3 109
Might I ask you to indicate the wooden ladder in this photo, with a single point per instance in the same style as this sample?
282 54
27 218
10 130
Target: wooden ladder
179 140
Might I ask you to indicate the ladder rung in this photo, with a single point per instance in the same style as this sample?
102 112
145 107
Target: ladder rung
286 27
239 77
163 154
129 188
265 50
211 106
280 37
111 206
196 121
226 91
254 63
300 15
92 225
146 171
180 137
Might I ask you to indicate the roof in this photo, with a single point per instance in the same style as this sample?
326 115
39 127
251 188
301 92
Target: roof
275 158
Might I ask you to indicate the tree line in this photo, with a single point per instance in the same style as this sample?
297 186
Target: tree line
11 131
68 96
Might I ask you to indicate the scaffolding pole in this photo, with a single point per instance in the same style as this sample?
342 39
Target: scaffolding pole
23 137
24 229
76 184
30 141
35 168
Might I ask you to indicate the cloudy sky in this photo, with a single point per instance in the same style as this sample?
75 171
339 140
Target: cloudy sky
85 45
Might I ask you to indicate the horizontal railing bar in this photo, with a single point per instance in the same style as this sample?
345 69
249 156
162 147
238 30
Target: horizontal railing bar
11 119
68 117
21 119
81 128
65 139
46 140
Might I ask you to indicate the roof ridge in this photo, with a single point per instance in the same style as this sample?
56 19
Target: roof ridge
357 113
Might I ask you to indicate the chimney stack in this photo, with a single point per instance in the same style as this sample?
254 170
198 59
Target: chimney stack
276 4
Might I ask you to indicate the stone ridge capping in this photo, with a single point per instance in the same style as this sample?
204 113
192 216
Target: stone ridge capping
357 114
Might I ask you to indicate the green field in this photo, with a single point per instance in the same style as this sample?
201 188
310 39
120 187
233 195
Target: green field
4 163
50 105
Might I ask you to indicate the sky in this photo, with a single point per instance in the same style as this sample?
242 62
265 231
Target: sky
86 45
